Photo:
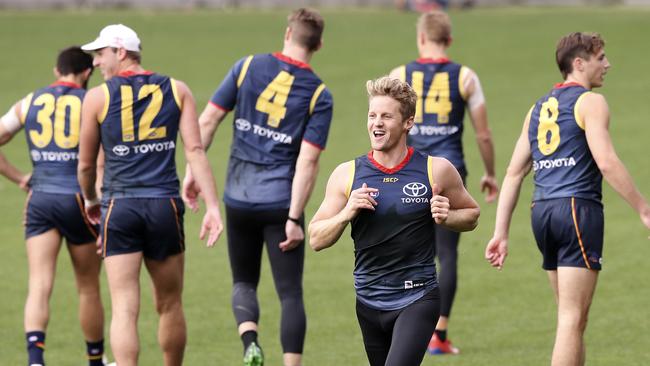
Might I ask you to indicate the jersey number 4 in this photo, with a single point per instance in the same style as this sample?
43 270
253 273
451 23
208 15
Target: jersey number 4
145 132
58 108
273 99
548 131
437 99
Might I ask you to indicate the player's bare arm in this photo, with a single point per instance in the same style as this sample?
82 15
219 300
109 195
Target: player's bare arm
520 165
199 165
209 120
9 126
451 204
337 210
301 188
595 114
89 143
478 115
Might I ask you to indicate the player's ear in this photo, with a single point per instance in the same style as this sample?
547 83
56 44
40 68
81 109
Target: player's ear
56 72
87 73
287 34
121 54
578 64
409 123
422 38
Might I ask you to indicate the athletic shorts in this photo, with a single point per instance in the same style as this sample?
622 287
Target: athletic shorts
63 212
153 226
399 337
569 232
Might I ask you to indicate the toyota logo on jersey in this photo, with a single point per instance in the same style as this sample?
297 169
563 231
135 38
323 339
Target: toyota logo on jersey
121 150
242 124
415 189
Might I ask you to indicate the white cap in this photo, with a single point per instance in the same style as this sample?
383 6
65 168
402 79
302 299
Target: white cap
115 35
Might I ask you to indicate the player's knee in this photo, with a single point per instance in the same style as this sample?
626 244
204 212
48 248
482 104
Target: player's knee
244 302
575 320
168 304
40 289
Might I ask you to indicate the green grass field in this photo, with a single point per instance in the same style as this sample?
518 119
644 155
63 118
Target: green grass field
500 318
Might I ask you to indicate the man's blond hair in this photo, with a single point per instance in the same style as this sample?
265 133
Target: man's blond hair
436 26
396 89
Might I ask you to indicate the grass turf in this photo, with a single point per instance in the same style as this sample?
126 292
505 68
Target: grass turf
499 318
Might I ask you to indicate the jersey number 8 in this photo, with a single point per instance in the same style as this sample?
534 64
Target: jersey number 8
548 125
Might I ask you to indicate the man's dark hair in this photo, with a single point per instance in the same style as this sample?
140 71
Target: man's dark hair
73 60
577 44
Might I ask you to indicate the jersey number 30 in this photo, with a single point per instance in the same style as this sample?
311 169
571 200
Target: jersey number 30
548 126
57 107
273 99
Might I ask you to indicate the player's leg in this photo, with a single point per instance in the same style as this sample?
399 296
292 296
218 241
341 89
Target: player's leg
163 256
81 237
376 339
412 330
578 231
552 280
287 269
42 251
123 272
87 267
245 242
447 252
167 278
123 236
575 291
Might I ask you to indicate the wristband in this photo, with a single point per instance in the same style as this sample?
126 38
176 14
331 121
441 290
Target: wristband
91 203
295 221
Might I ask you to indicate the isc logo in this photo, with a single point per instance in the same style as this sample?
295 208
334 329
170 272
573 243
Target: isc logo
390 180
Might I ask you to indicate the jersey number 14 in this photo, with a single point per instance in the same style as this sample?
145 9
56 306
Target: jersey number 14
436 101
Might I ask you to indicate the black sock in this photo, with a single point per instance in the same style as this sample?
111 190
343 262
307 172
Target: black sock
249 337
95 351
441 334
35 347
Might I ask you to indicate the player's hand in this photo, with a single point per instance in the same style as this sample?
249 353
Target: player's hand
490 186
295 236
212 226
645 217
360 199
190 192
439 206
24 182
497 251
94 213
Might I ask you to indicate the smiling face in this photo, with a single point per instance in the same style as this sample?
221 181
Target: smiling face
108 62
386 126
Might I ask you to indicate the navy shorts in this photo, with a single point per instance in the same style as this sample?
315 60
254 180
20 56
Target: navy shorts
569 232
63 212
153 226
